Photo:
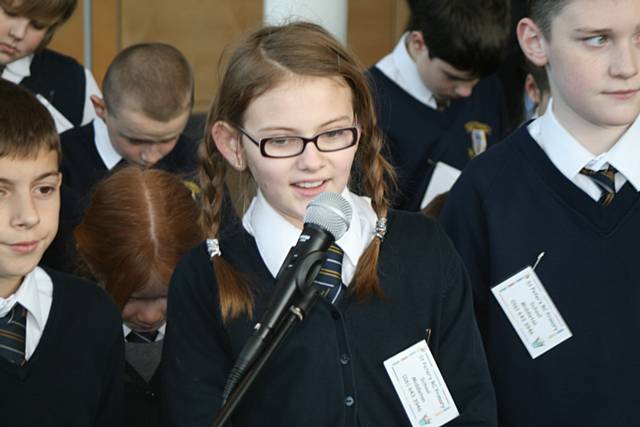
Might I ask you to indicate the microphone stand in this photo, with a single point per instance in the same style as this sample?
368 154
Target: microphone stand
301 305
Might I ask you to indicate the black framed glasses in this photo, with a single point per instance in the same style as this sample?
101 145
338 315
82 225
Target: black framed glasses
280 147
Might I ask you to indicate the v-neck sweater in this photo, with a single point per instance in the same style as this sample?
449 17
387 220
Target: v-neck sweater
74 377
510 205
418 136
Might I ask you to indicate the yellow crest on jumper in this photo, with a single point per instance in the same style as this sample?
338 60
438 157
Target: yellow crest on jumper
479 133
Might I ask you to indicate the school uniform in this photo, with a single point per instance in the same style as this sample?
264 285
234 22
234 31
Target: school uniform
60 83
419 134
142 380
329 371
87 158
73 371
525 197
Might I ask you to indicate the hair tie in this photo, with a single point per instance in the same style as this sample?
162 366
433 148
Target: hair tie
193 188
381 228
213 247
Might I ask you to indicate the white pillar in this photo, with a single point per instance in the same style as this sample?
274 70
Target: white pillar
331 14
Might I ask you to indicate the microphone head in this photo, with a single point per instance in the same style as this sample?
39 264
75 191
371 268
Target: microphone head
331 212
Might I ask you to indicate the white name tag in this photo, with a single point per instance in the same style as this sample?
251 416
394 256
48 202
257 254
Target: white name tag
442 179
419 384
531 312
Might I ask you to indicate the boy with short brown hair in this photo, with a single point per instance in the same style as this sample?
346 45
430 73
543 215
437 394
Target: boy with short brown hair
61 350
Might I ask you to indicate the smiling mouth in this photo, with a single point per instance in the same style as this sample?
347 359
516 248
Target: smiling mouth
309 184
24 247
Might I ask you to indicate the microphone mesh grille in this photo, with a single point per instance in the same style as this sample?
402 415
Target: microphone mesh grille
331 212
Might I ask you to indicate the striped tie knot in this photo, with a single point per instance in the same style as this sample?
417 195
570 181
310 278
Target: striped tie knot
12 334
141 337
330 274
605 179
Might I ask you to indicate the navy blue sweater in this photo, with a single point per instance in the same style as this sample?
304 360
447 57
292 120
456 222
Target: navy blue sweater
418 136
329 371
61 80
74 377
510 204
82 167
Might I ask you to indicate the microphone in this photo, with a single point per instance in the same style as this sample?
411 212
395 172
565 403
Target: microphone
326 220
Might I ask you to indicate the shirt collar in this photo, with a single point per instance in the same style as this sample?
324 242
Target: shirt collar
564 151
107 153
569 156
17 70
161 330
625 154
275 235
400 67
34 285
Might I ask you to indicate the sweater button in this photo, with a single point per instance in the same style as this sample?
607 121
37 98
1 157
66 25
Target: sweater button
335 314
349 401
149 396
344 359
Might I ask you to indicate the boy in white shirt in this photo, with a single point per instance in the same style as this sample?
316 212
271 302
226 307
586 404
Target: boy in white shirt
61 351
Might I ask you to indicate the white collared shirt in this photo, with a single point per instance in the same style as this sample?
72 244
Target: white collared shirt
275 235
569 156
36 295
402 70
126 330
107 153
20 69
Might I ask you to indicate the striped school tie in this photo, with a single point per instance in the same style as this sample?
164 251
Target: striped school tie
330 275
12 334
141 337
605 179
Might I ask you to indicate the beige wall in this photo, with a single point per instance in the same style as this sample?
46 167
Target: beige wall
202 29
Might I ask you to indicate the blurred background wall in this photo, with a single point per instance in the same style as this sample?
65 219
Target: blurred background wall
203 29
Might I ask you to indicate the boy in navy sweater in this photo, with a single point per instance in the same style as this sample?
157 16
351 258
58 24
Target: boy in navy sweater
565 185
148 95
61 345
59 82
434 106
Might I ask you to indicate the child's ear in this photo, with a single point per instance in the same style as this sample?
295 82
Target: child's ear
100 106
415 43
228 142
531 88
532 41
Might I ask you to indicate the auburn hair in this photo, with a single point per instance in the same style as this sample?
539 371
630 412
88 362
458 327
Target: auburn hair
138 225
260 62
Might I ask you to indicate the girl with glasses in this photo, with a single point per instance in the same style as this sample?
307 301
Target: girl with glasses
294 112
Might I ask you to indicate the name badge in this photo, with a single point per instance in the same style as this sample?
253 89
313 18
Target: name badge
531 312
419 384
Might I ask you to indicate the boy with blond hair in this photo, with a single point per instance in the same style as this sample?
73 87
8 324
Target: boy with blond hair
566 187
58 81
61 349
